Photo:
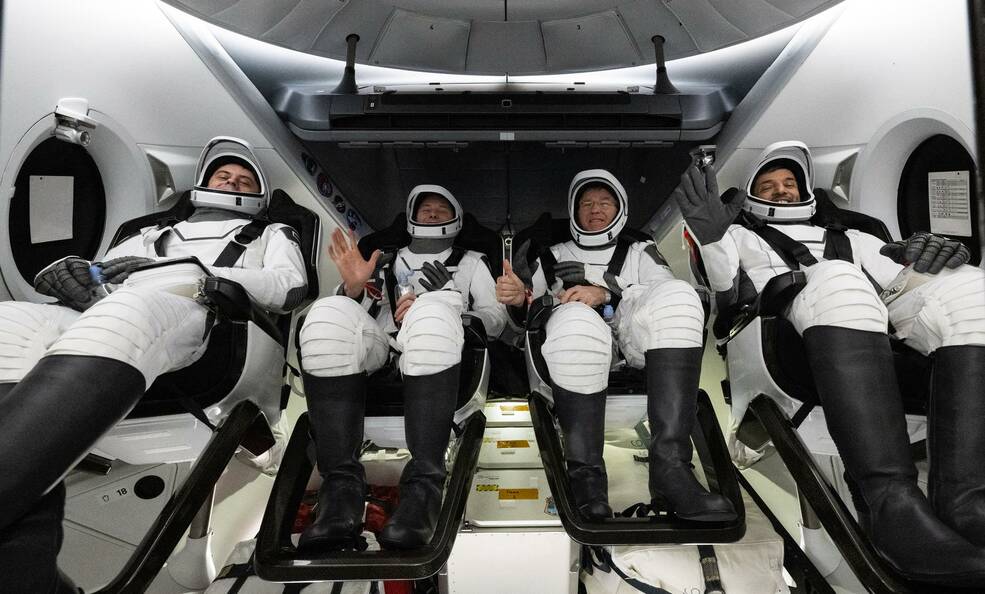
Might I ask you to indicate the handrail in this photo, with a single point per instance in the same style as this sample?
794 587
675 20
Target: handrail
649 530
278 560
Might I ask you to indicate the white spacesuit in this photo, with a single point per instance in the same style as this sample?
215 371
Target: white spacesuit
659 322
344 339
70 375
843 314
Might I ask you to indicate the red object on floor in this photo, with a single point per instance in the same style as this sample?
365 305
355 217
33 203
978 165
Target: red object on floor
305 515
398 587
381 503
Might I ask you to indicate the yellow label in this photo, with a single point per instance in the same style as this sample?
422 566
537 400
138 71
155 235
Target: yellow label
506 408
519 494
513 443
481 488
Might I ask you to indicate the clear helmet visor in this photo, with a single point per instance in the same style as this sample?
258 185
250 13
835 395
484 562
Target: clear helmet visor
582 183
425 229
788 155
218 153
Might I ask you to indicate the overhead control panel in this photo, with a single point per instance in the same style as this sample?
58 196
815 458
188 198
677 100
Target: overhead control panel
509 112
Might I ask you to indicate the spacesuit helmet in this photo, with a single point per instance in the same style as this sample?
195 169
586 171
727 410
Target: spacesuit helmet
796 157
582 182
424 230
220 151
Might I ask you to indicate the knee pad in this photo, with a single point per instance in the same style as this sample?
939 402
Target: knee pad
431 336
578 349
151 330
667 316
26 331
838 294
945 311
340 338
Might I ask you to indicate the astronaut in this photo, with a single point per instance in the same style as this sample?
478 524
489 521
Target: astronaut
70 371
411 302
935 306
658 323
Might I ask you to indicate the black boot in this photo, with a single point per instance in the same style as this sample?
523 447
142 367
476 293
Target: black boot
857 384
429 409
956 440
582 420
53 417
672 377
336 407
29 547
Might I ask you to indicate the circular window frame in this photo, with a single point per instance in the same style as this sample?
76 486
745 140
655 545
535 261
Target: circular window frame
128 183
880 164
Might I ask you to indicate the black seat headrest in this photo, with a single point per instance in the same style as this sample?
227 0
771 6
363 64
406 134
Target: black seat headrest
828 213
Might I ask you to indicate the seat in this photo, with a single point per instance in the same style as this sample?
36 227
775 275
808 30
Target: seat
771 404
227 400
625 407
277 559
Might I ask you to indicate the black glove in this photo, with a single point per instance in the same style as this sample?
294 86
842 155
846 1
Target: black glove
522 267
707 216
68 281
436 277
927 252
571 273
117 270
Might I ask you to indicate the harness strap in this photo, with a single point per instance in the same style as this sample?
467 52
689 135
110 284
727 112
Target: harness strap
793 253
801 414
235 248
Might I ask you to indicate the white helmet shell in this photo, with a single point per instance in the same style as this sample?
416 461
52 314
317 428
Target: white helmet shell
219 151
796 156
604 236
447 229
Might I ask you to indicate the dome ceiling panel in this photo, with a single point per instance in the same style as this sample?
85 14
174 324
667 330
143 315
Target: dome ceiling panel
595 42
440 41
515 47
502 36
706 26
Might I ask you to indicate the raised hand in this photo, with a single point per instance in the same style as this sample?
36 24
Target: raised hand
436 277
524 269
354 269
927 252
707 216
510 288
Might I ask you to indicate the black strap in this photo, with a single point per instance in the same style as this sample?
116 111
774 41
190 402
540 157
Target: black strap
235 248
641 586
547 262
196 411
160 241
837 246
457 253
709 569
801 414
390 283
618 256
793 253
